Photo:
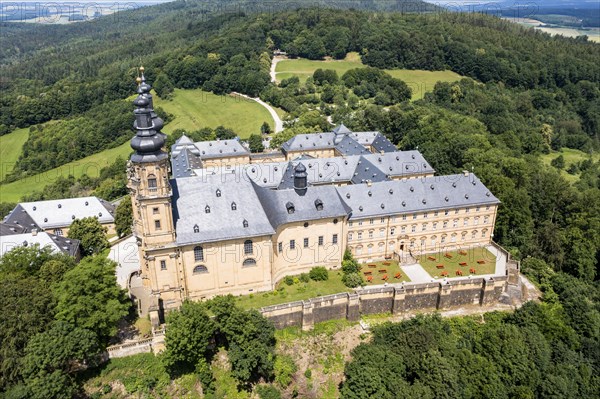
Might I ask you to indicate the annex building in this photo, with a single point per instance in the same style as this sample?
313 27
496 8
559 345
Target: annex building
211 219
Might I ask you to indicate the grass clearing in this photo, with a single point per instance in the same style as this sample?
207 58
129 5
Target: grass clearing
420 81
451 262
296 292
10 148
571 156
195 109
12 192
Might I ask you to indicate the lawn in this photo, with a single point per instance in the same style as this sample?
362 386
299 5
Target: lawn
12 192
296 292
419 81
452 262
195 109
10 149
571 156
373 270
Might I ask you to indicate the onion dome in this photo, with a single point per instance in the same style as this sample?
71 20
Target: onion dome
148 141
144 89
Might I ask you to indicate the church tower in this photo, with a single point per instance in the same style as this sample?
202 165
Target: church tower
148 177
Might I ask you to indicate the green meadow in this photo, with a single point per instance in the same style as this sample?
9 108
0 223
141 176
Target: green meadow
10 148
571 156
195 109
420 81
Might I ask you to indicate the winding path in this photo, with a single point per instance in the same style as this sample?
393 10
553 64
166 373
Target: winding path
276 118
274 62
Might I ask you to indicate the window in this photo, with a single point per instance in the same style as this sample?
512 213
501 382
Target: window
370 248
370 233
425 215
486 219
456 211
305 242
350 224
424 228
476 220
248 250
392 231
422 242
198 253
321 240
360 222
483 233
414 216
360 235
233 206
249 262
280 247
359 250
371 221
350 236
463 235
393 218
334 239
445 224
433 241
200 269
473 234
218 193
434 225
207 209
163 265
455 223
435 213
413 228
292 244
467 210
381 232
157 224
403 217
152 183
466 222
382 220
403 229
453 238
487 208
196 229
58 232
443 239
477 209
446 212
155 211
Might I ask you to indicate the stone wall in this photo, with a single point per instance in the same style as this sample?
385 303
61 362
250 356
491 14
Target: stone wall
395 299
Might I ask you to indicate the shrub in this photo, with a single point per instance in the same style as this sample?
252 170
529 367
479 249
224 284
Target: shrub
352 280
350 266
284 370
318 273
304 278
308 373
289 280
268 392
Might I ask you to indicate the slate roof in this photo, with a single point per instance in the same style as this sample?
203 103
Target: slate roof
221 148
415 195
185 157
11 229
401 163
367 171
61 212
43 239
382 144
277 202
348 146
192 195
308 142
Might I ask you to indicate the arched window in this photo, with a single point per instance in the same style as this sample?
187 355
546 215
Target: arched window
207 209
152 182
249 262
218 193
245 223
233 206
198 253
200 269
248 247
196 229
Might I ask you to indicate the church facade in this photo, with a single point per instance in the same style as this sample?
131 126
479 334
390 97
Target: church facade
210 219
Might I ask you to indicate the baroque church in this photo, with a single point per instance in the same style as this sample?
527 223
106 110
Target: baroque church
212 219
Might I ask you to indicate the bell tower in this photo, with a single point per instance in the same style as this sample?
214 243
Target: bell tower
148 176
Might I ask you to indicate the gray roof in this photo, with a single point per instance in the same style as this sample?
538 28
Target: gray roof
20 217
382 144
308 142
221 148
401 163
365 171
276 203
60 212
43 239
185 157
348 146
7 229
192 195
415 195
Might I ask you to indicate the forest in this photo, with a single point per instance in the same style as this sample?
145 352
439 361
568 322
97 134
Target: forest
524 95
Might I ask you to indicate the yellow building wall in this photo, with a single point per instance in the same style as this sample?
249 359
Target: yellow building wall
226 161
324 153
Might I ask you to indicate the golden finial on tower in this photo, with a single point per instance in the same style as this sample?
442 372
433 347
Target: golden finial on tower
138 80
142 69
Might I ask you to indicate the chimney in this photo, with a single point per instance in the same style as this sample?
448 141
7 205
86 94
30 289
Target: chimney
465 172
369 183
34 232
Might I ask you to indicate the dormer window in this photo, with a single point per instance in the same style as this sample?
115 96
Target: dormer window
233 206
319 204
245 223
196 229
290 208
218 193
207 209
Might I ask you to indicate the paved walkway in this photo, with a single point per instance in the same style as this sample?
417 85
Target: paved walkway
125 253
416 273
276 59
276 118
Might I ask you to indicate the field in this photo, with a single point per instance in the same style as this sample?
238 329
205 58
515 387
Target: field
12 192
420 81
195 109
452 262
10 149
571 156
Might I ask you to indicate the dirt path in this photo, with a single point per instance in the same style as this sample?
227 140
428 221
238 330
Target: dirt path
276 59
